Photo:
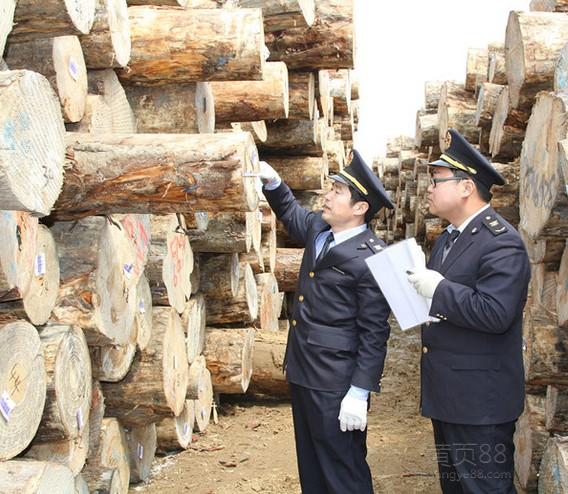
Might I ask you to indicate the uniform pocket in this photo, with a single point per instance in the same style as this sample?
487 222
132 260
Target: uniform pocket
475 362
329 339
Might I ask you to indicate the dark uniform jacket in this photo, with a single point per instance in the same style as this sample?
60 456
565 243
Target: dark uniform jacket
472 363
339 330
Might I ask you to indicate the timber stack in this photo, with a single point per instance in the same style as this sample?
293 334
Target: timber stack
142 275
513 104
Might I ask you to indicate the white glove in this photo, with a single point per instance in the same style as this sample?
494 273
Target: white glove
352 414
425 281
268 175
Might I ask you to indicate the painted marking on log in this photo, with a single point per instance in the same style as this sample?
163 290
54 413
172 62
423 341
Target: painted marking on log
140 451
80 422
73 69
39 264
141 306
6 405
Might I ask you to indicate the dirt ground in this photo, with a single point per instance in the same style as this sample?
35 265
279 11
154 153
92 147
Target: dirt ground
251 449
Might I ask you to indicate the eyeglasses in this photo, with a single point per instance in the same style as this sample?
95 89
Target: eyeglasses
435 181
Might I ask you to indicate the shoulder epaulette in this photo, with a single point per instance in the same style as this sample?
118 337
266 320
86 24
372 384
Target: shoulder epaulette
495 225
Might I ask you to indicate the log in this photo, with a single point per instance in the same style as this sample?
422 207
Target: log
335 156
193 320
141 442
105 83
269 242
533 42
170 262
562 291
426 129
549 5
269 304
456 110
30 109
496 73
23 385
204 403
250 101
228 232
99 278
71 453
506 198
287 269
256 129
268 364
198 377
61 61
545 357
300 172
81 486
284 14
328 44
542 189
111 362
322 93
340 91
143 315
476 68
242 308
175 433
158 173
157 382
222 45
108 468
432 91
175 108
6 21
556 409
301 95
221 273
97 118
292 137
33 19
229 356
487 103
35 476
530 438
561 71
96 415
108 43
68 370
397 144
553 474
176 3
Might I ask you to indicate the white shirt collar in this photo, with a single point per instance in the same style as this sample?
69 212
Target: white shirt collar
467 221
347 234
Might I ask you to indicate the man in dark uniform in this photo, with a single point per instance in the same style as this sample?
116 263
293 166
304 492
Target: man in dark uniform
339 330
472 365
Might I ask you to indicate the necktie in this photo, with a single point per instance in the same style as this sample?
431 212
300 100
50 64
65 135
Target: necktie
324 250
449 243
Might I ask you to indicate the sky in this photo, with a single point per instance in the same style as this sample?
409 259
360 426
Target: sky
402 44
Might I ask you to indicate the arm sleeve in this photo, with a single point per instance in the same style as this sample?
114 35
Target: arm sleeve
500 289
374 331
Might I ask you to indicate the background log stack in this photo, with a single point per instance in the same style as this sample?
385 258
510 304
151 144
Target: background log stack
513 105
140 271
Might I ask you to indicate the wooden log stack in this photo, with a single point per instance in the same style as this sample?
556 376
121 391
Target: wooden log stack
139 262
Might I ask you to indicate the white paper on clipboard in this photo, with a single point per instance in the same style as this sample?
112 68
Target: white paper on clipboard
389 267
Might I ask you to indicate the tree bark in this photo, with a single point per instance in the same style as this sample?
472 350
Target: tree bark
68 370
553 474
108 43
426 129
250 101
432 91
268 375
23 385
229 356
496 71
33 19
543 201
328 44
105 83
530 438
280 15
34 135
175 433
293 137
193 319
476 68
242 308
220 273
141 442
533 42
157 382
175 3
300 172
562 291
158 173
486 104
221 45
302 95
35 476
107 469
175 108
228 232
340 90
335 156
61 61
556 409
288 262
456 110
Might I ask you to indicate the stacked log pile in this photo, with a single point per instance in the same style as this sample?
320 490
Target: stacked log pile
513 105
141 275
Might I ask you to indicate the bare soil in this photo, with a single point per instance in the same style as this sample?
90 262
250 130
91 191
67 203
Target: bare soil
251 449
